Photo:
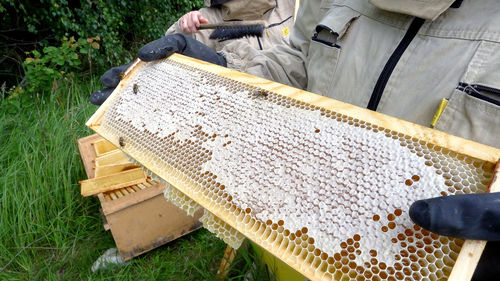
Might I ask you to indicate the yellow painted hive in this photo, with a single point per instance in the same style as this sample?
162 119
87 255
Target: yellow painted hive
322 185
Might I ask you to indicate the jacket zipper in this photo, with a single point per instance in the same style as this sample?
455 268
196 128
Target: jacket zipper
475 91
412 31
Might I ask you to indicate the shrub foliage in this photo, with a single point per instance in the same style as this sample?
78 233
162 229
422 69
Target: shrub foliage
29 27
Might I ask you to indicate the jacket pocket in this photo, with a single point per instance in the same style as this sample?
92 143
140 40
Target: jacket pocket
473 112
325 47
473 109
482 92
322 63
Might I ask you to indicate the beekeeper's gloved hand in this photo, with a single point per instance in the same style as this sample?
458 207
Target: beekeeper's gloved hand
111 78
182 44
469 216
158 49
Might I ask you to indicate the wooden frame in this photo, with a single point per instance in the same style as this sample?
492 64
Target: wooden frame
111 182
112 169
470 252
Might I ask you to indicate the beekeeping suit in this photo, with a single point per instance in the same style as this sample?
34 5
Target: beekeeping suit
277 14
399 57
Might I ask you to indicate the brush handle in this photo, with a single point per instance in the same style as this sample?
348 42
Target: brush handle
207 26
230 23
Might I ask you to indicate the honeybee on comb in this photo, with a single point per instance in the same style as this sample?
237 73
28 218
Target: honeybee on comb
121 142
260 93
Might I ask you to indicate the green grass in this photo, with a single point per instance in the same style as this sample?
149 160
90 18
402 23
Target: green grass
47 230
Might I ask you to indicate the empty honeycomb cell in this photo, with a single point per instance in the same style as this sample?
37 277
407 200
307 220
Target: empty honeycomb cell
231 236
285 171
179 199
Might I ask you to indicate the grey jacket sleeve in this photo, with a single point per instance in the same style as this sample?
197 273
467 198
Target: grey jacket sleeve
175 28
283 64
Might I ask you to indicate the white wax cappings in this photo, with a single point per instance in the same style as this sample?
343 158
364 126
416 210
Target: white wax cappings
287 164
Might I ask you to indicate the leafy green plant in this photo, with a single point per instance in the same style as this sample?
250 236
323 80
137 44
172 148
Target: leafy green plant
42 69
123 26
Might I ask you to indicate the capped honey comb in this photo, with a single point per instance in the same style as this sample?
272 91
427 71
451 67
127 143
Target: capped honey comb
326 192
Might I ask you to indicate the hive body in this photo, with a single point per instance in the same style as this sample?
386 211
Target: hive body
325 192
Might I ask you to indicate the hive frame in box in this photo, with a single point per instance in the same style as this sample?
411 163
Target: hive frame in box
139 221
471 250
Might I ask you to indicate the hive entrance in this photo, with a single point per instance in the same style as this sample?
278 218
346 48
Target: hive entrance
325 192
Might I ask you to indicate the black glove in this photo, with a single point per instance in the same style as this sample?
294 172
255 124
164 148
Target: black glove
111 78
182 44
158 49
469 216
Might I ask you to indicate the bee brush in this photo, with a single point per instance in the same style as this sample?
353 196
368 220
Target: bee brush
234 29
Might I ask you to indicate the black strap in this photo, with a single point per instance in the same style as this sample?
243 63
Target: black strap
456 4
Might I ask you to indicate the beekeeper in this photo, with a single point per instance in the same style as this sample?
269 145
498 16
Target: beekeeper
276 14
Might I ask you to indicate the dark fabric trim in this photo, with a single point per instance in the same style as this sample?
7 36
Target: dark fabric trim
314 38
386 73
276 1
321 27
279 23
456 4
217 2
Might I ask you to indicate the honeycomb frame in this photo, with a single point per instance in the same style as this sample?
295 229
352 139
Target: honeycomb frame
293 248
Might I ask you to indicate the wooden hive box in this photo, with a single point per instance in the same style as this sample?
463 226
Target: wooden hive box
139 217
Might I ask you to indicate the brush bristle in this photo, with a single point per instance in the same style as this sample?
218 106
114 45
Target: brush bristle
237 31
